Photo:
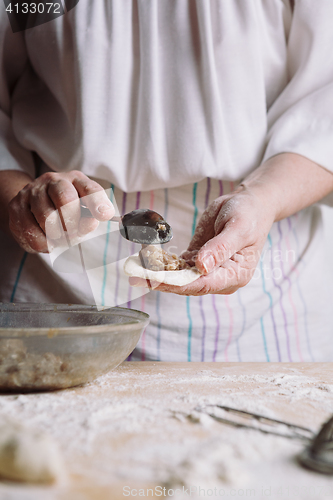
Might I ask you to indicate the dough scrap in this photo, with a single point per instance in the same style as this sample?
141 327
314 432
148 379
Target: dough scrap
133 267
28 455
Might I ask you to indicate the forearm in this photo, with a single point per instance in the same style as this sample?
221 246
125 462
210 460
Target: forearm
11 182
288 183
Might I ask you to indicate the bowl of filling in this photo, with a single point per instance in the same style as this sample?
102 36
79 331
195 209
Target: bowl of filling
55 346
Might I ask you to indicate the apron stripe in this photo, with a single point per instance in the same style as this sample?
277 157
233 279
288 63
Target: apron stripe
12 297
129 297
271 311
195 215
201 298
301 294
264 338
281 293
194 202
143 338
189 332
105 271
202 312
231 326
292 301
159 325
217 328
214 300
207 192
158 294
243 325
229 308
123 211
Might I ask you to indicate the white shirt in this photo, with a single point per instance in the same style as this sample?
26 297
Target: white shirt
165 99
158 93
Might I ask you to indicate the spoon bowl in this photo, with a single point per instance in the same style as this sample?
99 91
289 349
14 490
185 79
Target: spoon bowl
142 226
146 227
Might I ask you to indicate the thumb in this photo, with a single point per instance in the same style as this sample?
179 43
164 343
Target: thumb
205 229
219 249
203 233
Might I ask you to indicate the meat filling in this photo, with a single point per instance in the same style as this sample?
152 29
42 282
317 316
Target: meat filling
156 259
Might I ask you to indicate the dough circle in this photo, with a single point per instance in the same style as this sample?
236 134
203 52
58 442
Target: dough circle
28 455
133 267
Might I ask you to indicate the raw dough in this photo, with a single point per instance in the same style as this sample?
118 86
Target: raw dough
133 267
28 455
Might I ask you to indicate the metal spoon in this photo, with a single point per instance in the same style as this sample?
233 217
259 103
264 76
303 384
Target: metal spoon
140 226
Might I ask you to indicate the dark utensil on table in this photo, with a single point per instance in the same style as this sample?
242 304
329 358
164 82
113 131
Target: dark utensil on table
317 456
249 420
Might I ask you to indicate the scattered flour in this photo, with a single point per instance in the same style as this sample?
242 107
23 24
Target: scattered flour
146 427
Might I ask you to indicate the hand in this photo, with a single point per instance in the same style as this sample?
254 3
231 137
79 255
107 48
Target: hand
226 246
33 211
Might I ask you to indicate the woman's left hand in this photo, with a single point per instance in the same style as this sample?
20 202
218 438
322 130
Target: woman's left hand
226 246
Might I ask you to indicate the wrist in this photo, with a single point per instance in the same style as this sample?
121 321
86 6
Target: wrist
289 182
265 197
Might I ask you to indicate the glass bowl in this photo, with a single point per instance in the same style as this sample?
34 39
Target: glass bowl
54 346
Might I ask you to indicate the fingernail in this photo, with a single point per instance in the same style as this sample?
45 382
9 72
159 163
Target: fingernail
102 209
208 263
136 282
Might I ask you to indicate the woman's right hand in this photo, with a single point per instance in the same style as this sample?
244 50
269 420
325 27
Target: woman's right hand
34 212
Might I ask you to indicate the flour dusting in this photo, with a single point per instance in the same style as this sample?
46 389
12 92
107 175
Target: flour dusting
151 426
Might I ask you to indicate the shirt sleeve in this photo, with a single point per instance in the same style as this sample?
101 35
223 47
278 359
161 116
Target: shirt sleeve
13 61
301 119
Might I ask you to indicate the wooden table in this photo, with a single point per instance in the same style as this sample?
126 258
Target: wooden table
138 427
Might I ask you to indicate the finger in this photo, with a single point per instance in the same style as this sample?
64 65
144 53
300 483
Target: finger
137 282
189 256
25 228
143 283
45 213
94 197
221 248
222 280
66 200
87 225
